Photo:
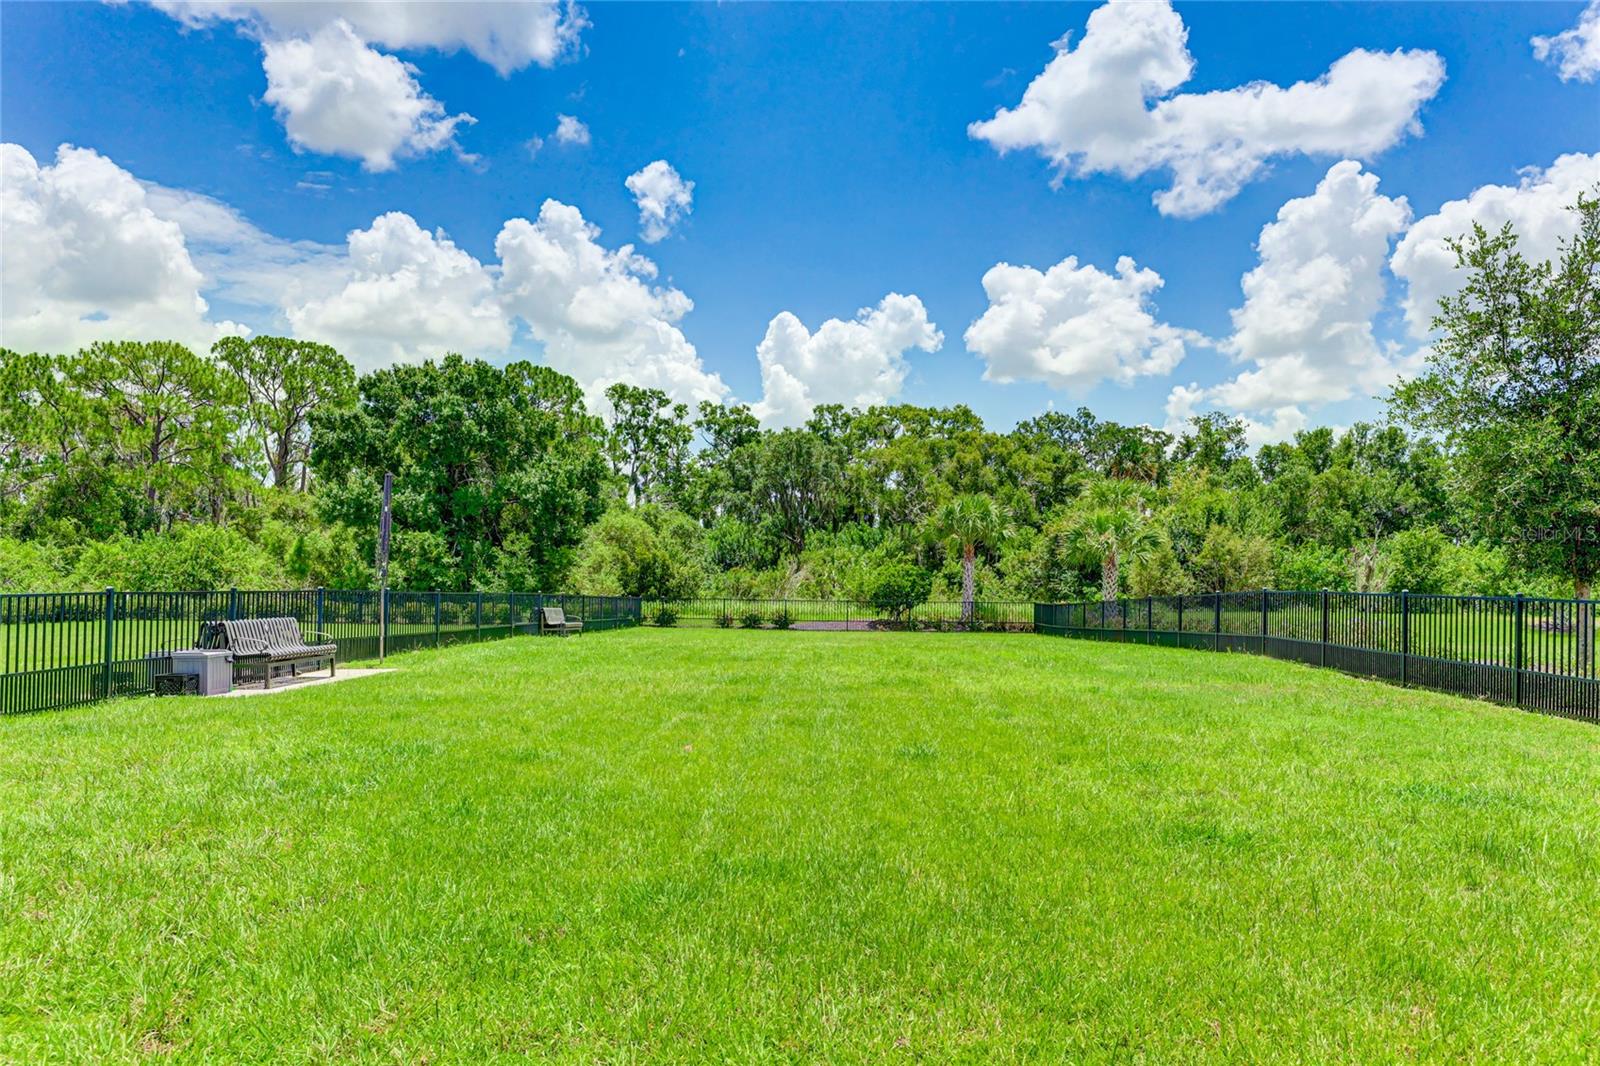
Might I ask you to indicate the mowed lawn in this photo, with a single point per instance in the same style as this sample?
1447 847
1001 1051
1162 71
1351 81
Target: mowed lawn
737 846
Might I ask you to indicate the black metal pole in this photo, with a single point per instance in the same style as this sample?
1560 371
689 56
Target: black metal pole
1405 635
1517 643
1324 627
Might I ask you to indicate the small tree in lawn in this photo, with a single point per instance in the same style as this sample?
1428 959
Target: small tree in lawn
1513 386
966 524
1111 529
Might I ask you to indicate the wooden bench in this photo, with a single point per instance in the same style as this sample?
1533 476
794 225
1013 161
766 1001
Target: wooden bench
555 620
268 645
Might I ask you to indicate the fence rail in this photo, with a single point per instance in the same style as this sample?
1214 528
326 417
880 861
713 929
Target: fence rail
1014 616
1524 651
58 649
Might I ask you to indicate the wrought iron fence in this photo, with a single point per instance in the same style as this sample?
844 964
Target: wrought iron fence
1524 651
1014 616
63 648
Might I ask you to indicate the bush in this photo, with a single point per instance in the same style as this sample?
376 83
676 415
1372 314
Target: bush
1312 566
751 619
724 620
648 553
782 619
665 616
897 587
28 567
188 557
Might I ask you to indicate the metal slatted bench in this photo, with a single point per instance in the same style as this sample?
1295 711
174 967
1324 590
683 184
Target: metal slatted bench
555 620
268 645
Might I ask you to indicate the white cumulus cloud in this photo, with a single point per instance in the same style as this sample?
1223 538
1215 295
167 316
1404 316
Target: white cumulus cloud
1537 208
1575 52
570 130
858 363
336 95
664 199
507 36
1074 326
1306 323
86 258
1109 105
1305 327
407 294
598 312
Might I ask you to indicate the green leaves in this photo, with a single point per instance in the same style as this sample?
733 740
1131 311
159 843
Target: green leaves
1513 388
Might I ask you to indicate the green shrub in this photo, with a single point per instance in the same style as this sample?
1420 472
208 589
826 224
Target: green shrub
895 588
724 620
187 557
665 616
29 567
782 619
751 619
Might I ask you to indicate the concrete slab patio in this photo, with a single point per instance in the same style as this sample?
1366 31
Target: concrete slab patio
290 684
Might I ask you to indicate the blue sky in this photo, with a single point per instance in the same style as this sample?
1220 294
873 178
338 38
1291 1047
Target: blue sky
832 164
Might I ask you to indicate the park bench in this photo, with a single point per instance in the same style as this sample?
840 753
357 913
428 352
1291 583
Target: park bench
268 645
555 620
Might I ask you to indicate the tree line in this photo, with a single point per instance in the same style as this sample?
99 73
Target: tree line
147 465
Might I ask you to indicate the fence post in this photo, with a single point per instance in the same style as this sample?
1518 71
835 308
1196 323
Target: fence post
110 645
321 595
1405 634
233 605
1263 621
1180 620
1517 643
1324 627
435 618
1216 622
1149 619
477 615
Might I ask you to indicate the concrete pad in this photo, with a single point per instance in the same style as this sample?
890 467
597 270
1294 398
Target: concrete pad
289 684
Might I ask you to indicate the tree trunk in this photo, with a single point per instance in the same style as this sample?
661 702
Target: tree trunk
969 554
1108 582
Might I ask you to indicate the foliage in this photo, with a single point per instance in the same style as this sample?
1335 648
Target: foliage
651 553
188 557
751 619
965 524
782 619
648 442
27 566
1513 385
284 381
895 588
487 463
1489 480
1230 561
665 615
1109 527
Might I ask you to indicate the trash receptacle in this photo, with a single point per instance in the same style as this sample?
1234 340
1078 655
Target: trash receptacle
214 668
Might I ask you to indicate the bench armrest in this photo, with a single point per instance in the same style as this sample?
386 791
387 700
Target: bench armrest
258 646
327 638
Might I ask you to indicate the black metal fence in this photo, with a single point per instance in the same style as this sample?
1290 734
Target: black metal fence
63 648
1524 651
1014 616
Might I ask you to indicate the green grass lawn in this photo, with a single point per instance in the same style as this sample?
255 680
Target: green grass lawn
741 846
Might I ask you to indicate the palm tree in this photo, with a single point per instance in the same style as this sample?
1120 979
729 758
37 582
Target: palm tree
1112 528
968 523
